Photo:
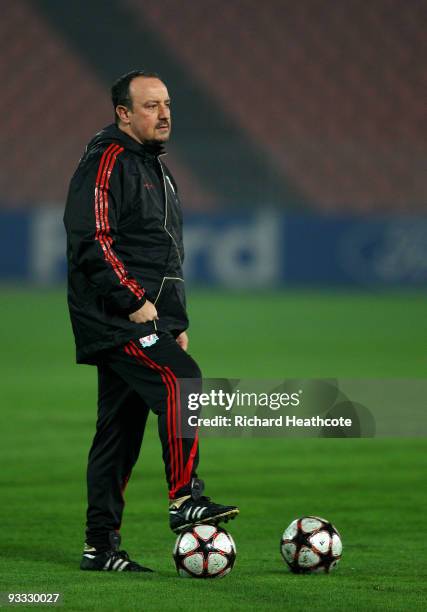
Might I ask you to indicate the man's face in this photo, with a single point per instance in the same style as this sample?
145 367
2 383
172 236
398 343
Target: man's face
149 120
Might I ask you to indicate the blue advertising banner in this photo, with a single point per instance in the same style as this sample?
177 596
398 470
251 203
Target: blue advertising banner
15 232
247 251
390 251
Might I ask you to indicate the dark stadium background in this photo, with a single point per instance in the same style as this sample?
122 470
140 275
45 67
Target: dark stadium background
299 148
300 121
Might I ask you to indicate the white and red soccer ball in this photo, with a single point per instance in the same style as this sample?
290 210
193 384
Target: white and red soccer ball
204 551
311 545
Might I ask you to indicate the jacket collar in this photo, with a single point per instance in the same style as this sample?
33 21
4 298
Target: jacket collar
112 133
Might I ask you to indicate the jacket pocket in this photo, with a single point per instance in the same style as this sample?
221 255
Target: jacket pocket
170 299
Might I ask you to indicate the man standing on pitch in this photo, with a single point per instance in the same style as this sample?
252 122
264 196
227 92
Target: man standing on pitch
127 306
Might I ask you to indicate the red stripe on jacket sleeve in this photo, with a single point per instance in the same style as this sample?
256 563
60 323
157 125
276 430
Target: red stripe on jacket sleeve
103 235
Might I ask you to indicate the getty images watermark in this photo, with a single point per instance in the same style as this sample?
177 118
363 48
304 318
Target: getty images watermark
302 408
220 399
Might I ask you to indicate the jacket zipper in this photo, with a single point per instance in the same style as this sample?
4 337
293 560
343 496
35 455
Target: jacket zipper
166 212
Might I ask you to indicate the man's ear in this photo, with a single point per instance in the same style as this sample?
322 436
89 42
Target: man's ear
123 113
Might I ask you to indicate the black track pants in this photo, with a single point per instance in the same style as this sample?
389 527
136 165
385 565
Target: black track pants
131 381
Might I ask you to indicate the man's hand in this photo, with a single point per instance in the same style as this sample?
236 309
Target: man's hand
146 313
182 340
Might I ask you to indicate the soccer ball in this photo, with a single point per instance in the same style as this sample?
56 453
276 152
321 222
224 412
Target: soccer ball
204 551
311 544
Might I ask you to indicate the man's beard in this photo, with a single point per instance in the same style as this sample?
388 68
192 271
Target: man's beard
156 141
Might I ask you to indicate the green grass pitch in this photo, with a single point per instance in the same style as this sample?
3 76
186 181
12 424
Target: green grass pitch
373 490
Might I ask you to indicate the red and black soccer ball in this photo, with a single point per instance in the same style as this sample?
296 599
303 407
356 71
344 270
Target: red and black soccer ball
311 545
204 551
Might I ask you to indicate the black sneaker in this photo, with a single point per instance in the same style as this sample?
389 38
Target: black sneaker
199 509
113 560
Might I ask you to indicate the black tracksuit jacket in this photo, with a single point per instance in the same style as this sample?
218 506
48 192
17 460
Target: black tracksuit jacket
124 244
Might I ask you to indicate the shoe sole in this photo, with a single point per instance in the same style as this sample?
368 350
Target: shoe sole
101 569
212 520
